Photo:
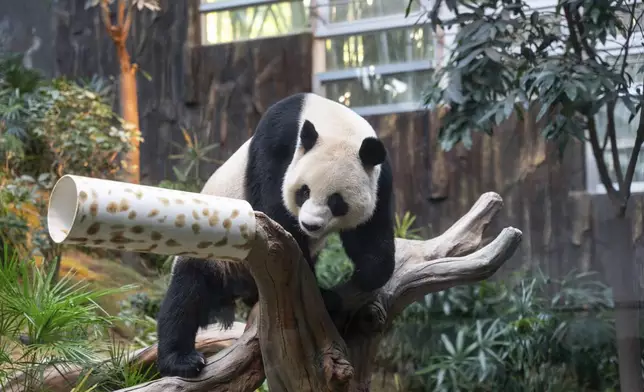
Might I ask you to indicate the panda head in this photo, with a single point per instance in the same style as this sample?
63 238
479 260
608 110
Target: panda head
332 181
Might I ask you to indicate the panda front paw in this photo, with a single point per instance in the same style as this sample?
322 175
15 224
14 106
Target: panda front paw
188 365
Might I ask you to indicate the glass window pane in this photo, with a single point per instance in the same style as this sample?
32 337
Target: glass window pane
375 89
624 158
631 17
379 47
351 10
259 21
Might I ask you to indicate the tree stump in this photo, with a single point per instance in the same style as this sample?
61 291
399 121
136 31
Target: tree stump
292 341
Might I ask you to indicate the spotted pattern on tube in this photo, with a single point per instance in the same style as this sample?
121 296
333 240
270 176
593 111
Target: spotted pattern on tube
139 218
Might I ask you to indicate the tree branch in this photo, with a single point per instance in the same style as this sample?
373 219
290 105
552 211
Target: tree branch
611 132
120 13
598 153
299 344
209 341
419 279
125 29
236 368
637 146
105 14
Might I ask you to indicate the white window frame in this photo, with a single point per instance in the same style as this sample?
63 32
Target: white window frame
323 29
226 5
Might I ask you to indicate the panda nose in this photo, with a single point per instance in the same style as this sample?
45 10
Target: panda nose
311 227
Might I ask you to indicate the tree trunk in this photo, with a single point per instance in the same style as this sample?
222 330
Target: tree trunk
618 257
290 338
129 109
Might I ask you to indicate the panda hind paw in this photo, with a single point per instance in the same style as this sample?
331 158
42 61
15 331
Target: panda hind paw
188 365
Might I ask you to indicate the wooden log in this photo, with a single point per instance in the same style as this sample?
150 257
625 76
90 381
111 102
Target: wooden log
294 342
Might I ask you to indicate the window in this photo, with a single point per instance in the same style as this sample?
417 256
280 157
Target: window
237 20
632 17
625 133
367 54
372 58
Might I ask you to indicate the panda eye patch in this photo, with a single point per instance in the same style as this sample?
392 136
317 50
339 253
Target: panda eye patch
302 195
337 205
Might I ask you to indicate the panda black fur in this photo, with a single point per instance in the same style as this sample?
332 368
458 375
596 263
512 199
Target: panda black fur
315 167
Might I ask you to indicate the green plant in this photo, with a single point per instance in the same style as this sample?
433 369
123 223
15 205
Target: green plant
46 322
403 226
192 155
334 266
119 371
139 312
263 387
47 129
529 333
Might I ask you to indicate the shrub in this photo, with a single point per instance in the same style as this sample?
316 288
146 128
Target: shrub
47 129
514 335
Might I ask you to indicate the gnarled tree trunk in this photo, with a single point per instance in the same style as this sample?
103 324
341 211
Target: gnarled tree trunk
290 339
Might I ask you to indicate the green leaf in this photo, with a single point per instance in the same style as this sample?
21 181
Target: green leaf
534 18
509 105
545 107
634 113
493 55
448 345
440 378
145 74
571 91
454 93
408 9
469 58
460 339
628 103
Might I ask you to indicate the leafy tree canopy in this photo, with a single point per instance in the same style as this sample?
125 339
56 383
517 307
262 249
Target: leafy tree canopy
572 60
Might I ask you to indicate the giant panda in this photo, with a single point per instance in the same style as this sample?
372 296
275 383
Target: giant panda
315 167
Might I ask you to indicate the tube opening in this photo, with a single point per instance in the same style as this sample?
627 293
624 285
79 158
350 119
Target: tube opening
63 207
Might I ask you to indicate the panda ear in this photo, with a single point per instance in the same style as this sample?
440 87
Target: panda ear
372 152
308 135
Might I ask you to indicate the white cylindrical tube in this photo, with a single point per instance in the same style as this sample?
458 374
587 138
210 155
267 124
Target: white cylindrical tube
138 218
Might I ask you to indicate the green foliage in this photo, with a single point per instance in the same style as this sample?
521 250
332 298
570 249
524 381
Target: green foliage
403 227
511 336
193 153
263 387
525 333
334 267
139 312
47 129
508 57
118 372
46 322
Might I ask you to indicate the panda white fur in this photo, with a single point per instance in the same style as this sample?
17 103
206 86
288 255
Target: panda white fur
315 167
